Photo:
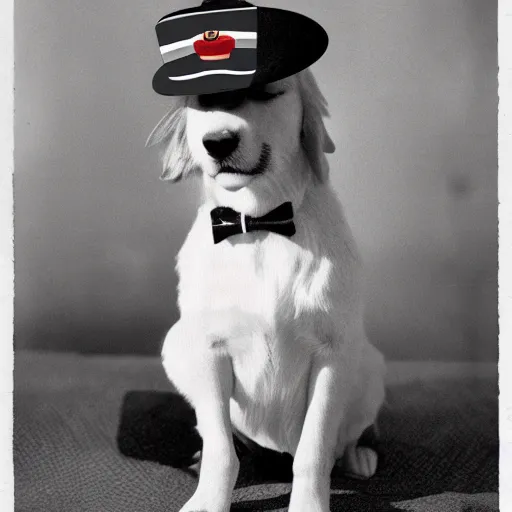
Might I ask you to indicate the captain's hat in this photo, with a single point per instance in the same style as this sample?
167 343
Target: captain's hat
224 45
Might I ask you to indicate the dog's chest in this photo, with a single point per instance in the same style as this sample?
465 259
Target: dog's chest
269 299
258 273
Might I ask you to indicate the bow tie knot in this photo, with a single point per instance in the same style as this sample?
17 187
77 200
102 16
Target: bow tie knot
227 222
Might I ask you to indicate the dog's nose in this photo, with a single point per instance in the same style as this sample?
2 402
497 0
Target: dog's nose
221 144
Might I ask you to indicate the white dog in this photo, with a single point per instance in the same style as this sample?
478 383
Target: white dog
270 343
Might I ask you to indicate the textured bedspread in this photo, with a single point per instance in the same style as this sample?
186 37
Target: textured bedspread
103 433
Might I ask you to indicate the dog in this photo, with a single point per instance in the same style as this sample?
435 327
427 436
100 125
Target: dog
270 344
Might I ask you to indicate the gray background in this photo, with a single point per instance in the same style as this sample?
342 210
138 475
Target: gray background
413 94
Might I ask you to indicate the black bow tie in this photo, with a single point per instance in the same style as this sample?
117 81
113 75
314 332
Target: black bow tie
227 222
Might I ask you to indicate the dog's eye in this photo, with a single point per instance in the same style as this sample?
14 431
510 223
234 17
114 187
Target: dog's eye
228 100
262 95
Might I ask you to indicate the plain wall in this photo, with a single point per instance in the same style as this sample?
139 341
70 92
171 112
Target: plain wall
412 89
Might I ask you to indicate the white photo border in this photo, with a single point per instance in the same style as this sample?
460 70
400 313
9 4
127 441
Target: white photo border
505 247
6 253
7 265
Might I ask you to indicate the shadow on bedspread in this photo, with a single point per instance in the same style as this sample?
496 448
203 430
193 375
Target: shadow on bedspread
107 434
438 442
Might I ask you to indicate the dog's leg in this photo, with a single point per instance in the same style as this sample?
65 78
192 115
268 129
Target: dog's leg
204 374
314 459
358 458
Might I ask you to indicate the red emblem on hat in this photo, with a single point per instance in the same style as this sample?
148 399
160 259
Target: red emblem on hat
214 46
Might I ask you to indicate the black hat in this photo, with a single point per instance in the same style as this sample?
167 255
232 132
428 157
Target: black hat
224 45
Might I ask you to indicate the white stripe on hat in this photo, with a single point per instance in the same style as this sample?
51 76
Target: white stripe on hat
205 12
178 53
212 72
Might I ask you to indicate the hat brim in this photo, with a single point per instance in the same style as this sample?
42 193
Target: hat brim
287 43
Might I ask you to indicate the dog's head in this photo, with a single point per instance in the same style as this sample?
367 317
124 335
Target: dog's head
254 148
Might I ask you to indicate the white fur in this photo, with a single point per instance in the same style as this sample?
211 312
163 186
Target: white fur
271 339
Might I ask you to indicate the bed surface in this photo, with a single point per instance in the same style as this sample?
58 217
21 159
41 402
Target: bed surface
95 433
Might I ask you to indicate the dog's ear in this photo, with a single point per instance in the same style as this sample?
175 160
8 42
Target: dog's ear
314 137
171 132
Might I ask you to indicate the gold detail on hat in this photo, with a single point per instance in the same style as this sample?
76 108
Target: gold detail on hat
211 35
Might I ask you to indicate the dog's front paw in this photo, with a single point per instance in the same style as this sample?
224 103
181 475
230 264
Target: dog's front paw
308 504
310 494
215 488
206 503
